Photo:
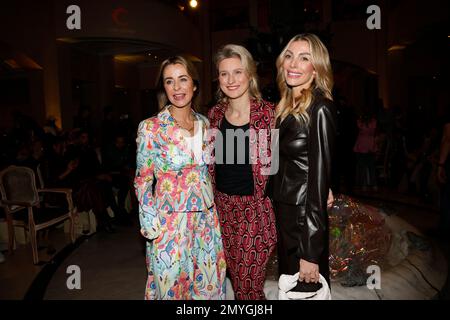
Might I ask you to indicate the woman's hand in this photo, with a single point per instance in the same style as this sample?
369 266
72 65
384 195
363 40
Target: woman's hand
309 272
330 199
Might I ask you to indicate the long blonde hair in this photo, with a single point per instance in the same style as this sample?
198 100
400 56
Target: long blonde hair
192 72
323 79
237 51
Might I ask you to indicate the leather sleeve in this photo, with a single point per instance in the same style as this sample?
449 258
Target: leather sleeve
322 135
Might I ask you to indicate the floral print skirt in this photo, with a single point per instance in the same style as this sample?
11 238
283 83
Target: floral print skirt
187 260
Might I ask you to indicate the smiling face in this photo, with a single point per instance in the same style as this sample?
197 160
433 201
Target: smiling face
178 85
298 69
233 78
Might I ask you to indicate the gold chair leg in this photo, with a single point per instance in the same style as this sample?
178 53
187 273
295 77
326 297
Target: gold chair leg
72 228
34 246
89 219
11 235
33 235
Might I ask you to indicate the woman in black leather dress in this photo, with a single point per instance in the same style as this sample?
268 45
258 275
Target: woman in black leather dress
306 118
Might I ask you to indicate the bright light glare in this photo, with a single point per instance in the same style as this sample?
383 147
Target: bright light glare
193 3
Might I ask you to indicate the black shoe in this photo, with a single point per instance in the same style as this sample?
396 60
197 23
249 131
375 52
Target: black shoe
108 228
125 221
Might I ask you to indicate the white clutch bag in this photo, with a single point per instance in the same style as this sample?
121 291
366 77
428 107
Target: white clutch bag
287 282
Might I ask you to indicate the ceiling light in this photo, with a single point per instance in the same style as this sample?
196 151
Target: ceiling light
193 3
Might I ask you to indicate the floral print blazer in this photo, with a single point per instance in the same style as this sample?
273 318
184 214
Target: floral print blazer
183 183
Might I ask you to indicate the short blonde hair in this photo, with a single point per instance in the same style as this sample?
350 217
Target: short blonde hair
237 51
323 78
192 72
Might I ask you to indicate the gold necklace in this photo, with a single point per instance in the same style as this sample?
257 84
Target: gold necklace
182 127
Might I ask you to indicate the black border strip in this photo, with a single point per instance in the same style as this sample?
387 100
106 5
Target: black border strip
38 287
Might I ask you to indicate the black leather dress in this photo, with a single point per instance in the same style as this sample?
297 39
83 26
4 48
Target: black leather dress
300 188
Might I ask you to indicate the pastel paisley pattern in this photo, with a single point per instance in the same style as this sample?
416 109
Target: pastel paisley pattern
184 252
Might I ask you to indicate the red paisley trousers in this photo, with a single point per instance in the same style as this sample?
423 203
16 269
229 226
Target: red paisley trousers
247 222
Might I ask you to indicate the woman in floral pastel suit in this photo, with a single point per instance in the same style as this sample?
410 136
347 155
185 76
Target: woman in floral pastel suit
185 257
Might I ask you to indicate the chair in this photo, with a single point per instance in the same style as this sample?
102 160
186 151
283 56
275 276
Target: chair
21 200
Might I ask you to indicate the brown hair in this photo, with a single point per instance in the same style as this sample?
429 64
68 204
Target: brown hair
192 72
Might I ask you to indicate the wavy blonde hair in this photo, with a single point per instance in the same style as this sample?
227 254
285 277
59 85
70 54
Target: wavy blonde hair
323 79
237 51
191 71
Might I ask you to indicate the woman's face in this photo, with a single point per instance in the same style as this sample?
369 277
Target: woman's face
233 78
298 69
178 85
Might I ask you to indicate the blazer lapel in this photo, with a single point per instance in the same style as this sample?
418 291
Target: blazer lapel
254 145
171 133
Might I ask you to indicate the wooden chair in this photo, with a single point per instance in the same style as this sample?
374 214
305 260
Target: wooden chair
21 200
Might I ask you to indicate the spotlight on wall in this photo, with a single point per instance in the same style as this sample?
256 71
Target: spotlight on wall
193 3
396 48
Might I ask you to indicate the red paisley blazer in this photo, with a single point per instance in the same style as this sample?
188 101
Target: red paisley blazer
262 116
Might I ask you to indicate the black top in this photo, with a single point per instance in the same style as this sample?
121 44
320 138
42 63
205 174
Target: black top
234 174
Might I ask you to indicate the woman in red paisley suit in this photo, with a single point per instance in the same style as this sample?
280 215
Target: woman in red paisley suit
242 120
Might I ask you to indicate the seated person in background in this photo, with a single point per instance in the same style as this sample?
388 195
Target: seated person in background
117 162
91 168
66 169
